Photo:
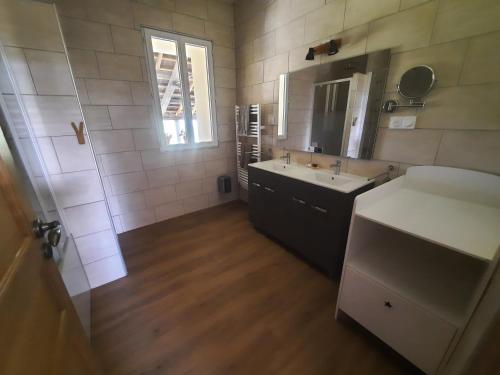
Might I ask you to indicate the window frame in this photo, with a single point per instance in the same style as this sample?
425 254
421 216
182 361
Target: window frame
181 40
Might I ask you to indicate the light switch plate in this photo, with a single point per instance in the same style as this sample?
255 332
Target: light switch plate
403 122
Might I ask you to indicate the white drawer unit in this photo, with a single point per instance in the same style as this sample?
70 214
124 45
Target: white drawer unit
416 334
420 254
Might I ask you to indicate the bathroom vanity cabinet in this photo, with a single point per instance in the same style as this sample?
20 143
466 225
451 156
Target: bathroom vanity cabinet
421 251
311 220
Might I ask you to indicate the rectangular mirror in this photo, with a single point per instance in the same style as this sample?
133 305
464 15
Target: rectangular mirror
333 108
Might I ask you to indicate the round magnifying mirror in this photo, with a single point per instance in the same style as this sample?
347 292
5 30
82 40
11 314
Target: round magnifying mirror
416 82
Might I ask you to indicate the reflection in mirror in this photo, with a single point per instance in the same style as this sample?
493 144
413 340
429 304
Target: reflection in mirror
282 106
333 108
416 82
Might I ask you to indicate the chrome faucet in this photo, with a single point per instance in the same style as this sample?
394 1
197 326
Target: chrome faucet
337 166
285 157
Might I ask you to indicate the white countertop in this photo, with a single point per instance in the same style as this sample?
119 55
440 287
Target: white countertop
344 182
463 215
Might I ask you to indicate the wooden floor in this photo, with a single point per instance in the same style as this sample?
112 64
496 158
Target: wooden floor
208 294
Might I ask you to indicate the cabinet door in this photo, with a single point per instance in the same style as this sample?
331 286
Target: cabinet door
266 201
255 199
297 210
326 228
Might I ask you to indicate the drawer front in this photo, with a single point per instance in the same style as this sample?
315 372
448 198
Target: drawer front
416 334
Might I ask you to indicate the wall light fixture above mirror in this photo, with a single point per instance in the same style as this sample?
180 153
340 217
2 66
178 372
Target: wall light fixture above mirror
333 108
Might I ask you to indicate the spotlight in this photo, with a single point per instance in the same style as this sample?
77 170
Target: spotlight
310 54
333 48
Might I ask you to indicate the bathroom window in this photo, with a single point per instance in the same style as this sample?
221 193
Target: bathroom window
181 71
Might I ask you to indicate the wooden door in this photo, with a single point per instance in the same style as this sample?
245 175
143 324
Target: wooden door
39 329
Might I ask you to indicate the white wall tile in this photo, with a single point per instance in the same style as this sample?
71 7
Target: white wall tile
129 117
224 57
120 204
20 70
83 63
86 34
359 12
221 34
189 189
190 172
195 8
105 270
150 16
457 19
117 223
188 25
81 90
120 67
122 162
43 31
170 210
195 203
145 139
48 154
477 150
73 156
52 115
137 219
154 159
162 176
107 141
115 12
88 218
108 92
127 41
216 167
77 188
50 72
96 117
161 195
128 182
97 246
141 93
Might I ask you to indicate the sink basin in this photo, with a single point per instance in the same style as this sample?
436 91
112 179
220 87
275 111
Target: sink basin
344 182
330 179
282 167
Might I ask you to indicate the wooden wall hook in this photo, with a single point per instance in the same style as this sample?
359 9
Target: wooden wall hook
79 132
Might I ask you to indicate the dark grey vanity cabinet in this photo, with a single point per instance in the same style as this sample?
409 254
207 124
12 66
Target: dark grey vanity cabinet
311 220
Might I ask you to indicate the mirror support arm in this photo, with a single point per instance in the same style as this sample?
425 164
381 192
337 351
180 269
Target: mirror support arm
391 106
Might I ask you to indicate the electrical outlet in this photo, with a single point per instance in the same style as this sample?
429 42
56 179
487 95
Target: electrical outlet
403 122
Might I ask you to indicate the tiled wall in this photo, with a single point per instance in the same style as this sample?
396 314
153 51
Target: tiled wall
106 52
460 124
34 47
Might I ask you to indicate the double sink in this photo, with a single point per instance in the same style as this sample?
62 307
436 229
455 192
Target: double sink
344 182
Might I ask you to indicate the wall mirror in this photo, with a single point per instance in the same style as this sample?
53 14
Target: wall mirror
333 108
416 82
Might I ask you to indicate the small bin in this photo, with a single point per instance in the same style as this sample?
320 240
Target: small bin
224 184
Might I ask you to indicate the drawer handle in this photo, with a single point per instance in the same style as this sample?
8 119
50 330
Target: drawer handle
388 304
256 184
295 199
269 189
320 209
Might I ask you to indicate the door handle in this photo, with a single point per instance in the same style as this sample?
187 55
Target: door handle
319 209
256 184
269 189
54 237
40 228
295 199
